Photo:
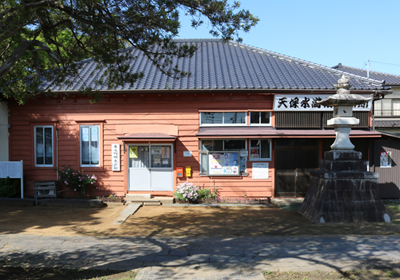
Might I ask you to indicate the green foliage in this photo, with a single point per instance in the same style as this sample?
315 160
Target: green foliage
42 40
10 187
205 193
77 181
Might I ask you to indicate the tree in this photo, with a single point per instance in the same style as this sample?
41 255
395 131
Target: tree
40 40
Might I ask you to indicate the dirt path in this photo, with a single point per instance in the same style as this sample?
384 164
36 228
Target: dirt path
174 221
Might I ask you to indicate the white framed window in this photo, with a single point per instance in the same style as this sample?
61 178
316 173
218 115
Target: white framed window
44 156
387 107
260 149
90 145
260 118
222 118
221 157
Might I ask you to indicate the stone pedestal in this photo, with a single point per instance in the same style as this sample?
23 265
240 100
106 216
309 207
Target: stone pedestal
343 191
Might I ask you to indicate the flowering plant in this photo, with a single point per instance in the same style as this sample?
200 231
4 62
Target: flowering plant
77 181
187 192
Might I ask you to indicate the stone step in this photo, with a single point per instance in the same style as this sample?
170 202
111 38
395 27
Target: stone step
158 200
139 195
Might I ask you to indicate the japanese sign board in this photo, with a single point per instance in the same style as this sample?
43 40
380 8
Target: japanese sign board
308 102
115 157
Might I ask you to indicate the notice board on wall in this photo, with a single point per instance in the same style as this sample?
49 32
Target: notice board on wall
223 163
260 170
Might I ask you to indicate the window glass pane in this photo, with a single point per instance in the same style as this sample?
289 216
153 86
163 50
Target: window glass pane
378 108
94 145
254 117
211 118
255 149
48 150
39 145
396 107
211 145
139 156
85 145
265 117
206 145
232 117
161 156
204 163
234 145
386 107
265 149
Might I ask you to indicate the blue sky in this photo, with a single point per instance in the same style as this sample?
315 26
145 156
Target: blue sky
326 32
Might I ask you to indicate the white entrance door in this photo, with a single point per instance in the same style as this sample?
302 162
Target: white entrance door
150 167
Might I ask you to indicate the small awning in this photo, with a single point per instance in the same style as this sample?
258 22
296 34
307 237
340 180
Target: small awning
147 137
271 132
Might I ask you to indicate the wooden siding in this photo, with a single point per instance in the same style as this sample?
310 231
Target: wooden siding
113 113
298 119
313 119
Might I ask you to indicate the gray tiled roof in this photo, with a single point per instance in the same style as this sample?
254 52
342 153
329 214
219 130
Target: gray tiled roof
387 123
217 65
389 79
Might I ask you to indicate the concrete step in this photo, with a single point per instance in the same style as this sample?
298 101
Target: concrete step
157 200
137 196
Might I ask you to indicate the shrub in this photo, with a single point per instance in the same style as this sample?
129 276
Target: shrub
10 187
187 192
77 181
205 193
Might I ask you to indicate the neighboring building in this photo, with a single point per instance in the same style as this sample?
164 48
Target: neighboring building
245 121
3 131
386 119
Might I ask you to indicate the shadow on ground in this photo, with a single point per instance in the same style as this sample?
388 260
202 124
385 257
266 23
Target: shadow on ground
178 221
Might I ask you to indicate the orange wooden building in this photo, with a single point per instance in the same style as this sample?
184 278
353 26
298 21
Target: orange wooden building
246 121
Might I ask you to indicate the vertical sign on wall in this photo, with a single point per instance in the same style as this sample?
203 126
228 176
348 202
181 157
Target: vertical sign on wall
115 157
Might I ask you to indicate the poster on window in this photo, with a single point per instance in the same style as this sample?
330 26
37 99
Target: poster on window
255 152
133 152
165 152
215 164
156 159
156 150
94 134
85 134
386 159
224 163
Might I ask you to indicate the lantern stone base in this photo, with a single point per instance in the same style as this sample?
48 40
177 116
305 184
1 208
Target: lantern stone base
342 191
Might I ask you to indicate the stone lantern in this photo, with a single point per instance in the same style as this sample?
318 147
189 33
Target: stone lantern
342 190
342 103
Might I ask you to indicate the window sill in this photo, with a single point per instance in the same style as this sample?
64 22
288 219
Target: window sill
208 175
92 168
